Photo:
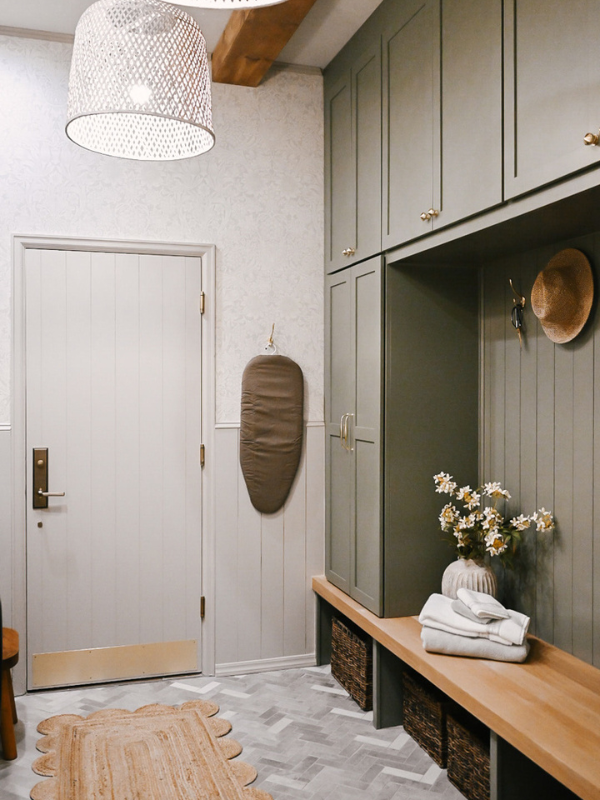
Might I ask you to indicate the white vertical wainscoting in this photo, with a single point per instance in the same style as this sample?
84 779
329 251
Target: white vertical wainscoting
265 610
6 544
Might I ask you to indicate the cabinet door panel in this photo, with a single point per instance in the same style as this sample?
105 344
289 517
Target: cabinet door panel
339 516
367 347
367 122
366 561
339 378
471 108
551 90
353 313
365 436
340 367
340 177
411 106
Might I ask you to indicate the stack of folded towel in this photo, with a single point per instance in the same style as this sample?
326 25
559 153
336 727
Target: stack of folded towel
474 625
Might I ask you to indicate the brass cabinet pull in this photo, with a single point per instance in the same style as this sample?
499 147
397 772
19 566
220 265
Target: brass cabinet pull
433 212
591 138
425 216
344 432
349 251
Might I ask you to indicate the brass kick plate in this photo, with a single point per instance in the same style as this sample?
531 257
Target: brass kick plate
119 663
40 476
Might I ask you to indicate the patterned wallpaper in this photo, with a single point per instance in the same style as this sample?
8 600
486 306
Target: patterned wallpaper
258 196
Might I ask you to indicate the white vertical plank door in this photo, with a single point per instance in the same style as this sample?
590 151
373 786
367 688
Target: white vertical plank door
114 378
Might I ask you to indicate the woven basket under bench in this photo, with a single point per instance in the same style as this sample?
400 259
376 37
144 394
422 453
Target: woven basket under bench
424 710
352 662
468 754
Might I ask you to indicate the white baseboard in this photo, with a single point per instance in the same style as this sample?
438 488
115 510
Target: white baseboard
266 665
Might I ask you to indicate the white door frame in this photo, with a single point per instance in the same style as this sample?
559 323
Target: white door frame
207 254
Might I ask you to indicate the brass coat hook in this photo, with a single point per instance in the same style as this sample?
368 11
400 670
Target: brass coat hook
518 297
270 347
516 314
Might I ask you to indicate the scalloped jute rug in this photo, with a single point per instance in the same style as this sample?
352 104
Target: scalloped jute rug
155 753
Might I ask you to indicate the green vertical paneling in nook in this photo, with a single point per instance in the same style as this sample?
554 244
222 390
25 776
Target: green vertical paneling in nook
540 411
563 498
582 491
492 459
595 555
544 583
527 436
512 427
497 356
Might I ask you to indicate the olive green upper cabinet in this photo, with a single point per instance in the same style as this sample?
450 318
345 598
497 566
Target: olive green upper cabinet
552 90
442 96
411 113
353 406
471 98
353 158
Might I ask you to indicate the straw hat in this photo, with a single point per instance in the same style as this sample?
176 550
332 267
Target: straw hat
562 295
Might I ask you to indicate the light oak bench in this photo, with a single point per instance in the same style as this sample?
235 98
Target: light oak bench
543 715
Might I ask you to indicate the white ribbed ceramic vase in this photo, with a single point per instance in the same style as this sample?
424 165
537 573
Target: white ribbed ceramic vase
467 573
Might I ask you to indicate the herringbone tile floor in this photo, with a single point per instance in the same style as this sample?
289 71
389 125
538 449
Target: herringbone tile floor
305 736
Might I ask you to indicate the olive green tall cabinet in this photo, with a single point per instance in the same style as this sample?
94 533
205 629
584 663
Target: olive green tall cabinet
401 342
354 362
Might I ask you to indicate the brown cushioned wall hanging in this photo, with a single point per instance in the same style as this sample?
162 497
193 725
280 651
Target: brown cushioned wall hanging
271 429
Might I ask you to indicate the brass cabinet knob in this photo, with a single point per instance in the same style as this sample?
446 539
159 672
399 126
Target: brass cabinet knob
349 251
591 138
433 213
425 216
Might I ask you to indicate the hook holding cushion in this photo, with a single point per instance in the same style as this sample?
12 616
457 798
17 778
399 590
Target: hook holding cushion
270 347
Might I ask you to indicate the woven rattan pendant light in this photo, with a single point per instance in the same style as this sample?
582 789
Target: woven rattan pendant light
229 5
139 86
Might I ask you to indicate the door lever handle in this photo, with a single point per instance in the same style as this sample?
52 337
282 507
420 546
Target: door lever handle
40 494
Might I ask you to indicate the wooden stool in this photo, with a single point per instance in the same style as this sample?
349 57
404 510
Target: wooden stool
8 709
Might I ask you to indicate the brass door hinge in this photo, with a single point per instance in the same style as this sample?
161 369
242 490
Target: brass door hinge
202 455
202 607
202 302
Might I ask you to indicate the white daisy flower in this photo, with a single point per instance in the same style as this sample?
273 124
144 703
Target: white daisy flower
543 519
448 516
521 522
492 519
468 522
495 544
495 490
460 539
445 484
469 497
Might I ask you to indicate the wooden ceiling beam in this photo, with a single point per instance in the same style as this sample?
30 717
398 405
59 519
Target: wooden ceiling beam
253 39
